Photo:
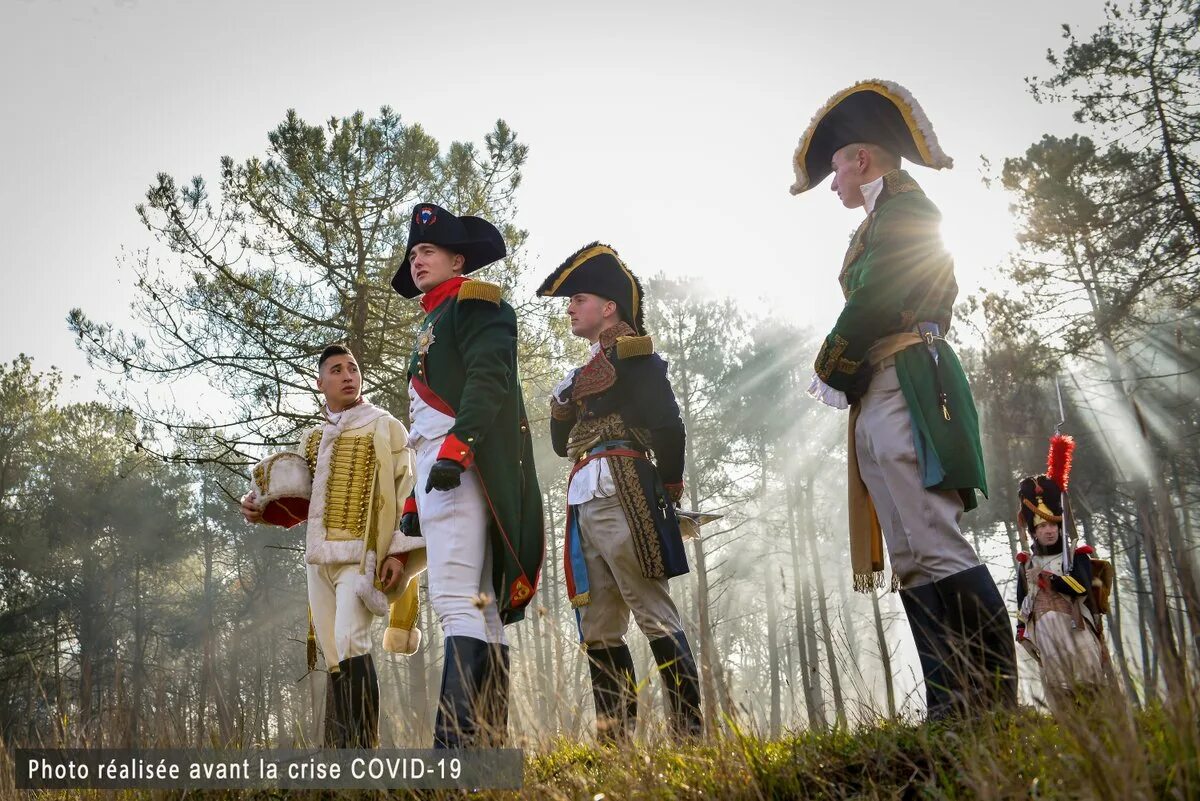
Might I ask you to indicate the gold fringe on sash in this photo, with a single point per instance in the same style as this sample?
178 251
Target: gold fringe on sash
866 535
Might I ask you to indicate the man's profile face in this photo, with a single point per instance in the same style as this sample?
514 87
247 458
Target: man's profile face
589 314
848 168
339 381
432 265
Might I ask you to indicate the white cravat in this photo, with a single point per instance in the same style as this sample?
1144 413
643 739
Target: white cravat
870 193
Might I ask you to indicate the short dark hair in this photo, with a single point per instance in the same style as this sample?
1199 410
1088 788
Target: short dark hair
336 349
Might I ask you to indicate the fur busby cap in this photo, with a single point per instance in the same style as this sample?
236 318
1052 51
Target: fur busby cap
1042 496
882 113
282 485
476 239
1041 501
598 270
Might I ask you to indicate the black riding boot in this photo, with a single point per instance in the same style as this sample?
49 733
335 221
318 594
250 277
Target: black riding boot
678 670
981 636
463 673
336 708
493 698
923 606
362 701
614 692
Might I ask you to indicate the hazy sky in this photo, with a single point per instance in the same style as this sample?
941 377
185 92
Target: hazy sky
663 128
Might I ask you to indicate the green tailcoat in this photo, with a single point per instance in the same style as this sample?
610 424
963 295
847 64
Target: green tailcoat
897 274
467 355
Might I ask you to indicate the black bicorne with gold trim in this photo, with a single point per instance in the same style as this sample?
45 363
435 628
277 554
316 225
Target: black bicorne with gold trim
882 113
598 270
476 239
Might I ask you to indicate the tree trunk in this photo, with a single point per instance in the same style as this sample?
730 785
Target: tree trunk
1179 188
1181 554
806 657
885 656
1114 618
814 558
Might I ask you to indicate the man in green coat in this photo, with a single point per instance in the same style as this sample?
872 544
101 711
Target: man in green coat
914 452
476 498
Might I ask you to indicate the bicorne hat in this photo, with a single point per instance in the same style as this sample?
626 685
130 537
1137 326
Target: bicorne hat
882 113
598 270
474 238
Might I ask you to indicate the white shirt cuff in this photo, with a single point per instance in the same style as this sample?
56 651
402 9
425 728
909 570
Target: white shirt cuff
827 395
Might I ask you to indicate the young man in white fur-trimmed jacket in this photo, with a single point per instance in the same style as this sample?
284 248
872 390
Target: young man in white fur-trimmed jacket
358 562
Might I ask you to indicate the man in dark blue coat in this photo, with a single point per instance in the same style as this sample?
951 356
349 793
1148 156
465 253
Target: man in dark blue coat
616 419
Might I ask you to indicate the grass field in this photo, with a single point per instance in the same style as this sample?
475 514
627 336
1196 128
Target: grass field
1103 752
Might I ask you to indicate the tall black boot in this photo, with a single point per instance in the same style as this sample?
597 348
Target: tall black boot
463 672
336 735
493 699
678 670
362 701
981 636
925 612
614 692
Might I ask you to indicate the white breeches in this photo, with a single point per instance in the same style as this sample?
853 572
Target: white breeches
341 622
455 526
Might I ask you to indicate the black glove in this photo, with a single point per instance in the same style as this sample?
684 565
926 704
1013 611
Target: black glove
446 474
860 383
410 525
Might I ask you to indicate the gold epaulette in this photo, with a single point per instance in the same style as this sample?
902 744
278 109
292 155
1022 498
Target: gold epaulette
1071 582
480 290
628 347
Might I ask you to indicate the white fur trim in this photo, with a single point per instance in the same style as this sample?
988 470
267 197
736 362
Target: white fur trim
288 478
320 551
938 158
402 543
402 641
364 587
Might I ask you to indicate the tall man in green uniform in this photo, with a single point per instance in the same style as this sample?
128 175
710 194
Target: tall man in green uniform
476 499
915 458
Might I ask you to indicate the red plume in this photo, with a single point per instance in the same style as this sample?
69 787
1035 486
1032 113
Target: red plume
1058 462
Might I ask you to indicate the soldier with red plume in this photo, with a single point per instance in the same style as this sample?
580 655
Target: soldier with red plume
1061 593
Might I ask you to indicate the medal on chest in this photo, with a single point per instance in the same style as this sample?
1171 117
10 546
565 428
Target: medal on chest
425 340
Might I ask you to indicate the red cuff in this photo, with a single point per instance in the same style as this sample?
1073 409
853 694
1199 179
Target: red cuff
456 450
1085 549
402 558
410 506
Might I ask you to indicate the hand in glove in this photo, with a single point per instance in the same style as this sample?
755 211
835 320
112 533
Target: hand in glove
446 474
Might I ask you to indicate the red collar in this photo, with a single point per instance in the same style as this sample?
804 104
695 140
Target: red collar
447 289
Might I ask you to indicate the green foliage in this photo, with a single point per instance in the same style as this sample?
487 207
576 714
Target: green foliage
295 250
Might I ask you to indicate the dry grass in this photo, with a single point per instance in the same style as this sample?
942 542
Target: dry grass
1104 753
